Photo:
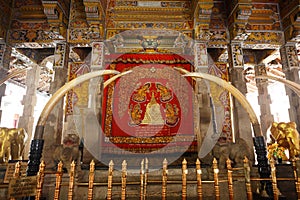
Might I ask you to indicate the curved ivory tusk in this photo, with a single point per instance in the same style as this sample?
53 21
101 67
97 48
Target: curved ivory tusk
13 74
184 71
109 81
290 84
236 93
64 89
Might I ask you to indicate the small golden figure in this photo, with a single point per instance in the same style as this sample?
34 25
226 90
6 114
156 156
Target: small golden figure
12 143
287 136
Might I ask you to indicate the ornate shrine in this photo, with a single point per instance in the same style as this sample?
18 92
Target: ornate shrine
153 109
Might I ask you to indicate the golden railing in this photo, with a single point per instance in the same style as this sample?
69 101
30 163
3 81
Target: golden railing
296 169
144 180
109 182
199 180
40 181
91 180
58 181
247 178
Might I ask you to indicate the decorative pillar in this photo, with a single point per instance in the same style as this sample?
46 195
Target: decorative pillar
264 100
96 64
92 112
54 125
266 118
2 89
29 101
241 121
290 66
2 51
202 115
5 53
2 75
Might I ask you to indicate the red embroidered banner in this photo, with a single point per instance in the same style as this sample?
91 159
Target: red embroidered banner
150 108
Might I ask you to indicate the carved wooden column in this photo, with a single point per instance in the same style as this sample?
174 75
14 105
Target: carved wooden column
201 118
5 53
202 20
92 112
266 118
2 54
95 16
241 121
57 15
2 75
29 101
290 66
6 57
264 100
54 125
96 64
203 12
2 90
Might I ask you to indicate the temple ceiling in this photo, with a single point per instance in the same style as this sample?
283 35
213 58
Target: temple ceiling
173 25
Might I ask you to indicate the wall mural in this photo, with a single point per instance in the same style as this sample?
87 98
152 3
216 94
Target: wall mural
78 96
221 100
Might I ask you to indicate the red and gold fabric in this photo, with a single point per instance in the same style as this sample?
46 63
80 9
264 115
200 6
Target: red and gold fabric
149 108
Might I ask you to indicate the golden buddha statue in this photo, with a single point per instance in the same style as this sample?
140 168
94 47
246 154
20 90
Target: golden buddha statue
153 114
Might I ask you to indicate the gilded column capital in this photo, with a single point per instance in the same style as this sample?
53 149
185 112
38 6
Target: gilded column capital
291 51
290 18
57 19
202 15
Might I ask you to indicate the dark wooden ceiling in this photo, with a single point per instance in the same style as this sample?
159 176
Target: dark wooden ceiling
32 25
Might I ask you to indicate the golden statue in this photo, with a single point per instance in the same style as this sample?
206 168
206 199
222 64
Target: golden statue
153 114
287 136
12 141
